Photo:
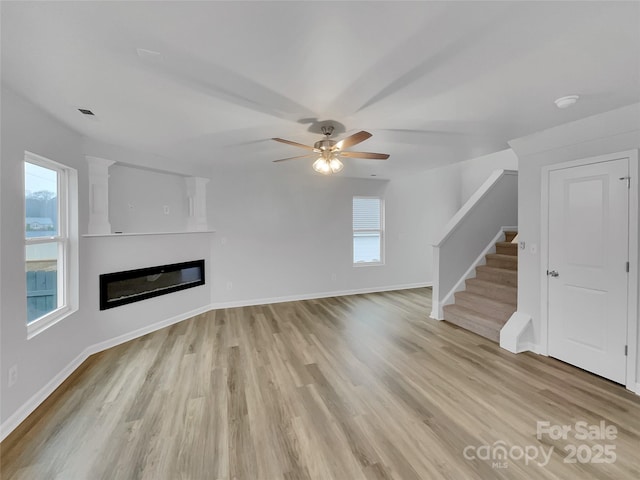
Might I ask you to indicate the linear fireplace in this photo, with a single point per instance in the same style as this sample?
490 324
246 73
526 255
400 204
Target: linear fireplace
120 288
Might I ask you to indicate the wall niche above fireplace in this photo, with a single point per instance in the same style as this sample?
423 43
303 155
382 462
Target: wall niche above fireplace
121 288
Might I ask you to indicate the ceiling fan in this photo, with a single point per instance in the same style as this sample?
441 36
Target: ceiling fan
330 151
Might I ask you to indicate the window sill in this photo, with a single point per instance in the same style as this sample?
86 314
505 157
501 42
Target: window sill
369 264
38 326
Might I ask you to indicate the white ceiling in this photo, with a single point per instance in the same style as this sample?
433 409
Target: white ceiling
435 82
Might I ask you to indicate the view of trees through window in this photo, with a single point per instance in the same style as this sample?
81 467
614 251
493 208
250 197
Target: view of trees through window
42 247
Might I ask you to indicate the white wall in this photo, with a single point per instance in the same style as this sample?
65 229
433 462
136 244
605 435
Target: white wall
114 254
278 236
610 132
24 127
130 156
287 236
137 198
281 235
475 171
467 235
46 359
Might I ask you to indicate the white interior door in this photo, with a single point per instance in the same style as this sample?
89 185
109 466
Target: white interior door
587 276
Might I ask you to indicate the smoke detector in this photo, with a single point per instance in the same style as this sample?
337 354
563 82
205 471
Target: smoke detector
565 102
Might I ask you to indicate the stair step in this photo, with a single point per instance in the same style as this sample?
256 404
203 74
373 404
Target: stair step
491 308
501 276
508 262
476 322
507 248
508 236
495 291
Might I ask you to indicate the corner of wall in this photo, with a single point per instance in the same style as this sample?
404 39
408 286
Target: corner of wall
516 335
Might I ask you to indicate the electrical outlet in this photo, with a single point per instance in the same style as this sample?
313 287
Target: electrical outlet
166 209
13 375
229 285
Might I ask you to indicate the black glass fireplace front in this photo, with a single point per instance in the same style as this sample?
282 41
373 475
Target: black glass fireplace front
120 288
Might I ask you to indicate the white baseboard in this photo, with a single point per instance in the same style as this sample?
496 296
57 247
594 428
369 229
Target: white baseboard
30 405
23 412
27 409
112 342
530 347
313 296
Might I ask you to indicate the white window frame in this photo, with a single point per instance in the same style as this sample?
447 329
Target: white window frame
67 239
380 231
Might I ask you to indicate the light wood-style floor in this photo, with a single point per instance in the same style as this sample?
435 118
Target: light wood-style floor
358 387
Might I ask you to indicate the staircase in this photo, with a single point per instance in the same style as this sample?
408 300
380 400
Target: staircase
491 297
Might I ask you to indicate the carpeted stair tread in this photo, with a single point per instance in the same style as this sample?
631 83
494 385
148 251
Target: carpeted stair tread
500 276
507 248
487 306
476 322
502 293
509 262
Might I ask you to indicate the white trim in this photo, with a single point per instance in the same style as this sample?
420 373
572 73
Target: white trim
66 239
467 208
634 276
535 348
30 405
125 337
98 176
517 334
295 298
437 312
480 260
632 285
137 234
544 261
637 390
42 323
27 408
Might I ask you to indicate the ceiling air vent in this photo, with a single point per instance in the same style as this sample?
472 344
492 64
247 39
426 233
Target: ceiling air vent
84 111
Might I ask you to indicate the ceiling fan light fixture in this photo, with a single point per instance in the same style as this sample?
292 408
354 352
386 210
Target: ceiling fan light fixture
322 166
327 166
335 165
328 161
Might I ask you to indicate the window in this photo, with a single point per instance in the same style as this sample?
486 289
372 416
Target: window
48 241
368 240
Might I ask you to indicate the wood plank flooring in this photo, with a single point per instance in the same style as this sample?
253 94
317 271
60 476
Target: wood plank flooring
359 387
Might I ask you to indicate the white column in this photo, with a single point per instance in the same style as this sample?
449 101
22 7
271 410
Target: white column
99 195
197 193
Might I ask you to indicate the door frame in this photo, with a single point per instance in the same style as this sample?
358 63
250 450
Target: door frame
632 284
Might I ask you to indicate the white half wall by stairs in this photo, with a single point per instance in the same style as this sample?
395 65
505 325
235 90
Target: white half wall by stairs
466 236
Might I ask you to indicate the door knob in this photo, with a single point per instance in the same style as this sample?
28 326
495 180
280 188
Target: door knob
552 273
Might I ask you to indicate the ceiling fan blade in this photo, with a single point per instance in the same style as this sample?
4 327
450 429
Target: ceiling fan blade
295 144
352 140
295 158
372 156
